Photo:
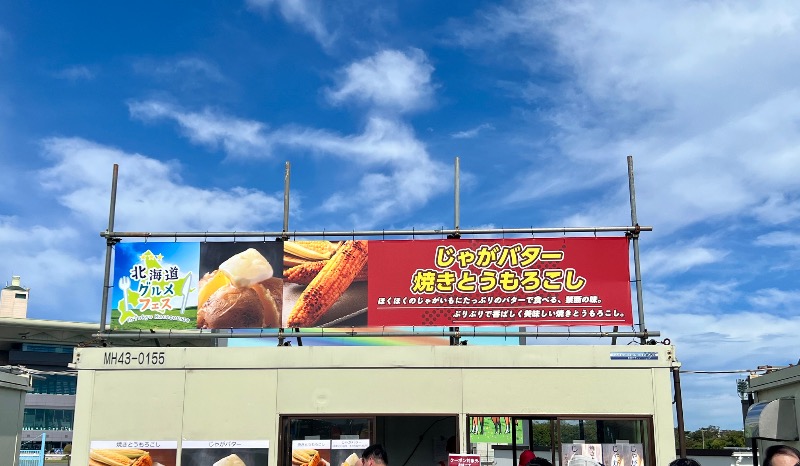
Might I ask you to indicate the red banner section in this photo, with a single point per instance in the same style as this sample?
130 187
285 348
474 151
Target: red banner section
502 282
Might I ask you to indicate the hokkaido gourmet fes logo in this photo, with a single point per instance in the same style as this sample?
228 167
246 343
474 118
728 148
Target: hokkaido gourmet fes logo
549 281
153 290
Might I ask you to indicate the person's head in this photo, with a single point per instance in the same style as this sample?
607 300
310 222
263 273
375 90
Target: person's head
684 462
539 462
525 457
374 455
781 455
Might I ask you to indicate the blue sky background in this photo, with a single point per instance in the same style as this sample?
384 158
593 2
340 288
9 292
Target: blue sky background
202 103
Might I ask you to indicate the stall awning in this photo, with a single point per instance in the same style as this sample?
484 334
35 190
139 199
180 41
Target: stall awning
772 420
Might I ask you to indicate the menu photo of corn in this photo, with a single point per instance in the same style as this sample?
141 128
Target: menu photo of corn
308 457
325 283
119 457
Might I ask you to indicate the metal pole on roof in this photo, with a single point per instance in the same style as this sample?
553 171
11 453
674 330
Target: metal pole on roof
560 231
323 333
286 177
454 337
635 240
457 184
110 242
676 380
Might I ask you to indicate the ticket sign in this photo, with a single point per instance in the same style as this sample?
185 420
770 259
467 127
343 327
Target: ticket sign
360 283
463 460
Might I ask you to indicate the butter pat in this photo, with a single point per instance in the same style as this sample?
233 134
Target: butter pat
246 268
231 460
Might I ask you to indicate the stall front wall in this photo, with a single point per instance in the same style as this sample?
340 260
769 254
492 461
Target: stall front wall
229 394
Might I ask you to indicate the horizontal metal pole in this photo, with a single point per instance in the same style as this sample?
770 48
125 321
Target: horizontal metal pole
186 335
354 233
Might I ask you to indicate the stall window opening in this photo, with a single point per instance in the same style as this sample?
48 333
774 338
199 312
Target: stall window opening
559 438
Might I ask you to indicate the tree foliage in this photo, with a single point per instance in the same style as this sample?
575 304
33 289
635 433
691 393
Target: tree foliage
712 438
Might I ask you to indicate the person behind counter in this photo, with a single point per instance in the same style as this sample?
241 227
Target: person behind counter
684 462
781 455
374 455
525 457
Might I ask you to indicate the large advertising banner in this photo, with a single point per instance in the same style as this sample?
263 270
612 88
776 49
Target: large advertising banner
360 283
548 281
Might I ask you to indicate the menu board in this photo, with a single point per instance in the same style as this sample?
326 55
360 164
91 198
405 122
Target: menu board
134 452
342 449
225 453
623 454
584 451
311 452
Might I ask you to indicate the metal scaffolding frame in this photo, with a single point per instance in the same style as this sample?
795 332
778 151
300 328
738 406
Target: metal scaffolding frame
113 237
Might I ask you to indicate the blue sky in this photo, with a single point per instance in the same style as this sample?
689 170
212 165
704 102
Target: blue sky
202 103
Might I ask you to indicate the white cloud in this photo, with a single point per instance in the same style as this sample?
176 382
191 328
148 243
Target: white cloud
389 80
211 129
50 262
678 258
473 132
779 238
305 13
700 93
394 169
400 174
150 194
76 73
772 298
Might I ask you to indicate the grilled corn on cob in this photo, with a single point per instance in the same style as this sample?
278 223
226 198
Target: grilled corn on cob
110 458
303 274
329 284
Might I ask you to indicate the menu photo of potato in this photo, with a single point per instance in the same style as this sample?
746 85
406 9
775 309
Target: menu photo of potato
225 453
325 283
241 285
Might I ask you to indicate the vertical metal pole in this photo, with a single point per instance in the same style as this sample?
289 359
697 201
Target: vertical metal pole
457 198
676 378
454 339
110 242
635 239
286 177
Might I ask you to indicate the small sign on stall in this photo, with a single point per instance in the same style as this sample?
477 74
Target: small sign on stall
463 460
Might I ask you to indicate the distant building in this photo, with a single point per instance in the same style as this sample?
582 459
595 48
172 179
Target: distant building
14 299
43 348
